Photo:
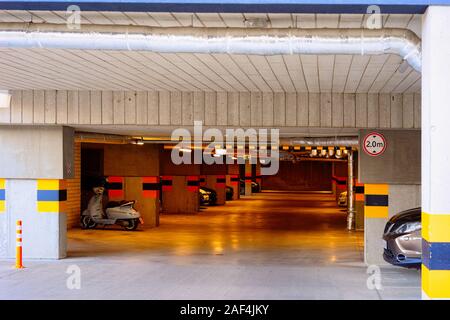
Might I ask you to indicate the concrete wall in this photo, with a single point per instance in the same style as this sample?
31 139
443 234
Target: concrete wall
359 110
129 160
36 152
400 163
300 176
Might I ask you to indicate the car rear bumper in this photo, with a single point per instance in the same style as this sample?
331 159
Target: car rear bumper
389 257
394 255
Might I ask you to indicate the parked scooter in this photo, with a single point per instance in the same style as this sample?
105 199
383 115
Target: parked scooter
122 214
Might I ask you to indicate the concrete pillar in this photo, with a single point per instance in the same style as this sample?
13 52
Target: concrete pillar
33 189
233 179
179 185
136 168
248 179
215 178
233 182
435 153
179 196
359 206
382 201
258 177
333 181
217 183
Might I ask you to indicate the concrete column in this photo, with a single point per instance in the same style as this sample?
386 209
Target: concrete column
137 167
258 177
233 179
217 183
359 205
382 201
179 184
248 179
33 189
435 153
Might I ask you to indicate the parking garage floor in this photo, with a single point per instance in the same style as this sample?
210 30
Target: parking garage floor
274 245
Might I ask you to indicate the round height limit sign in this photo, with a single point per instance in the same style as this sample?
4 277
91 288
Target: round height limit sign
374 144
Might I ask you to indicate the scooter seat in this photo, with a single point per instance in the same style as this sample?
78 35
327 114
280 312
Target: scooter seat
113 204
128 203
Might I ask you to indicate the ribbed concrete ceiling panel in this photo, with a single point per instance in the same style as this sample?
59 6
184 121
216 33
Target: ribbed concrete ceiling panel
108 70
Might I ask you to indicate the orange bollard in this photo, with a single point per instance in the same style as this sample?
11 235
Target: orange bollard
19 264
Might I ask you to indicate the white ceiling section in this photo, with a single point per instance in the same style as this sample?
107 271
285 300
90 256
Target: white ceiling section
108 70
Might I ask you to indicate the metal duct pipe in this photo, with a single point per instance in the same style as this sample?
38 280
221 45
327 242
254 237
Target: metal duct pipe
350 193
321 141
256 41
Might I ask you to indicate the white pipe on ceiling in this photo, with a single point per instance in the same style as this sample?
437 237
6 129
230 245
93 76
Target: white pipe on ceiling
251 41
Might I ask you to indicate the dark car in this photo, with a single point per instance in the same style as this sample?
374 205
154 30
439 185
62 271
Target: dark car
229 192
255 187
403 239
207 196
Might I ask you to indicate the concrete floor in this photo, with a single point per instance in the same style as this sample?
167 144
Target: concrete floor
269 246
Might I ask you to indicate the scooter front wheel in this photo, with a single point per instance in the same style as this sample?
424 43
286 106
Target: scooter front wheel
131 225
87 222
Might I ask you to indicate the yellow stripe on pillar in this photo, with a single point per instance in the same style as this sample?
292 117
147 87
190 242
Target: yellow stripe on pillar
376 189
436 283
2 195
436 227
51 206
51 184
376 200
51 195
376 211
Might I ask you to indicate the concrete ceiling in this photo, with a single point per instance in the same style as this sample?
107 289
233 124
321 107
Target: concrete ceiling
107 70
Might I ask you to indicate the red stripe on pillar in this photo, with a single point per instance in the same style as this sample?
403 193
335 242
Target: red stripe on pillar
150 187
115 193
166 183
192 183
234 179
118 194
220 181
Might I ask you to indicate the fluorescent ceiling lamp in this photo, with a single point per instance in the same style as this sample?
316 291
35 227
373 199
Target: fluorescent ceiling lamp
221 152
5 99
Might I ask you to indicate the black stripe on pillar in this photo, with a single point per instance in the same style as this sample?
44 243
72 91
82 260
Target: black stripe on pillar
193 183
339 181
359 189
221 180
166 182
115 186
62 195
377 200
150 186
